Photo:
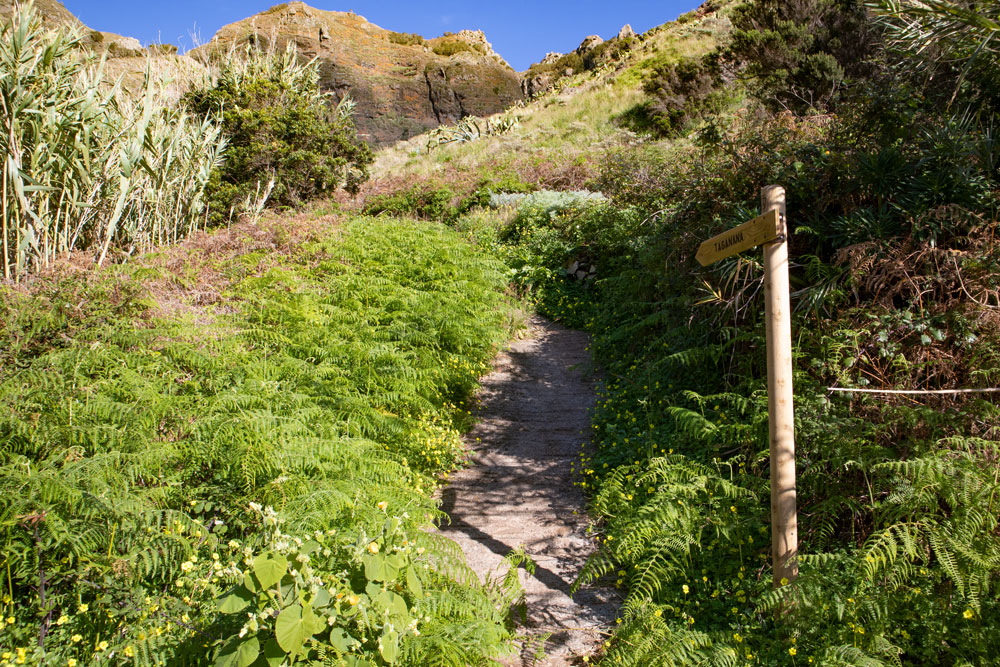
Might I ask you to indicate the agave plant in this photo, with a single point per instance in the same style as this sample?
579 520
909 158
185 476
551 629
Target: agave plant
469 129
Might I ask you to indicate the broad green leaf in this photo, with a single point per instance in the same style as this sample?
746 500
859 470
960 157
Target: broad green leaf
321 599
239 652
289 630
340 640
388 646
381 568
235 601
274 654
269 569
374 567
395 605
413 582
354 661
312 622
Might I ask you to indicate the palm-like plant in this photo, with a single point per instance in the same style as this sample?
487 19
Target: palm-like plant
962 36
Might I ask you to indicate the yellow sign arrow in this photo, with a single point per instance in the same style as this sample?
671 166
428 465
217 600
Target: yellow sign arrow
762 229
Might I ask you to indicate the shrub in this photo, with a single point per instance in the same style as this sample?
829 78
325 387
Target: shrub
279 127
799 55
680 94
569 62
489 188
428 202
449 47
608 51
407 38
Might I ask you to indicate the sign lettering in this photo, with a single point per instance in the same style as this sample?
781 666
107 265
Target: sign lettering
760 230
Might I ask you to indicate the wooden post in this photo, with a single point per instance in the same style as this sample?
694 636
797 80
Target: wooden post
784 519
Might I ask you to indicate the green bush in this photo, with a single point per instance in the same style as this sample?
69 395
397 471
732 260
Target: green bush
800 55
571 62
407 38
279 127
490 187
428 202
449 47
608 51
681 93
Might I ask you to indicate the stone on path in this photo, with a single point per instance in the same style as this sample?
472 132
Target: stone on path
518 489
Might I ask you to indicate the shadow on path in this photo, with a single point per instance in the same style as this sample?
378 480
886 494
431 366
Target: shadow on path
518 489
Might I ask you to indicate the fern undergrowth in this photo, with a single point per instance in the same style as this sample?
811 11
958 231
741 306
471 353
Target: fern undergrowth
131 447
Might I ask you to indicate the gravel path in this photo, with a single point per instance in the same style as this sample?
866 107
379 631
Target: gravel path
518 488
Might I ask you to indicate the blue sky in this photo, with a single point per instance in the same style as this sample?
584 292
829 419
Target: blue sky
522 32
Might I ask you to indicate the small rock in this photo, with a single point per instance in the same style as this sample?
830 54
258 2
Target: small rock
626 32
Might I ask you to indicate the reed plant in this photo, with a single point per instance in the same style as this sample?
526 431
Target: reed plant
89 166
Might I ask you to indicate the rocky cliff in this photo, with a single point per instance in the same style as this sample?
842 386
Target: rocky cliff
403 84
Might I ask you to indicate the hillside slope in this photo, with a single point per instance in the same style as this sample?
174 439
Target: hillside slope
563 131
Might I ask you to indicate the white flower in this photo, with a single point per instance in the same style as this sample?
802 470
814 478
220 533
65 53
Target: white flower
255 507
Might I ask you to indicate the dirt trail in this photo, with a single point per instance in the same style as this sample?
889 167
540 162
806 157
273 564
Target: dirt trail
518 488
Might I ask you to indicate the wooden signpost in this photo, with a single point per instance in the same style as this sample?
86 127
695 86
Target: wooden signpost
760 230
771 230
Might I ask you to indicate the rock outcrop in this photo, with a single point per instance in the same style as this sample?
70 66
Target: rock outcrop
403 84
626 32
588 44
591 54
